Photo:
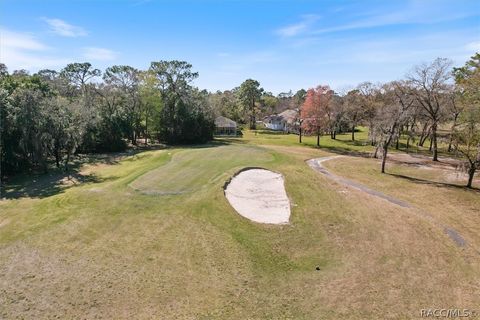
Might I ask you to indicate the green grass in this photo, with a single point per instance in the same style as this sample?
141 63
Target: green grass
152 235
342 143
193 169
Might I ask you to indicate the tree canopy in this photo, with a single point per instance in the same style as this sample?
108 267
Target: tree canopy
249 94
53 115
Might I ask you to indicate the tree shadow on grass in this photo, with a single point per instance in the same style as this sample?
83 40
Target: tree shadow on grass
356 143
56 180
434 183
231 140
342 146
342 151
217 142
44 185
34 184
270 131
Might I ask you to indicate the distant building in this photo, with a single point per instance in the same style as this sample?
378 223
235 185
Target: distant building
285 121
225 127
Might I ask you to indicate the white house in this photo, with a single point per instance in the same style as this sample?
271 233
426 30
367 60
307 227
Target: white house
284 121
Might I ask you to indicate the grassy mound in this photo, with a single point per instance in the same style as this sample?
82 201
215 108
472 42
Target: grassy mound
192 169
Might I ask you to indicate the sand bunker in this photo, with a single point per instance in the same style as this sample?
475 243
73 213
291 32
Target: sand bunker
259 195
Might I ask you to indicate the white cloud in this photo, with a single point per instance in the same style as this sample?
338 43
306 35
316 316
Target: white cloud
20 50
473 46
414 12
103 54
19 40
384 53
298 28
65 29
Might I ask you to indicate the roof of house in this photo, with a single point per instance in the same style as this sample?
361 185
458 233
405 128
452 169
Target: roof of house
288 116
223 122
273 117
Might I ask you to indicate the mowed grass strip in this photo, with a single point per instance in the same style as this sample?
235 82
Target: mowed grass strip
192 169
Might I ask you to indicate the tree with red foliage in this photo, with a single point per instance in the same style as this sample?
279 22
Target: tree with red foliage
315 110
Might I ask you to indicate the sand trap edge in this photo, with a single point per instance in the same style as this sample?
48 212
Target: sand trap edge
229 180
225 185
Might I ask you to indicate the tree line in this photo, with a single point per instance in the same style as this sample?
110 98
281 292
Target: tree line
56 114
53 115
432 95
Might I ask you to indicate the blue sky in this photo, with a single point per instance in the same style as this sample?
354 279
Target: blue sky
283 44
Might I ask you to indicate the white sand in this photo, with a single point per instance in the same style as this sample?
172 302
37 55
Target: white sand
259 195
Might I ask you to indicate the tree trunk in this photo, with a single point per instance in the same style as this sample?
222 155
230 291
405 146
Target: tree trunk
385 146
300 135
67 160
146 128
384 159
424 135
434 138
44 164
57 157
134 138
353 133
471 174
318 138
375 155
397 144
421 141
252 117
451 133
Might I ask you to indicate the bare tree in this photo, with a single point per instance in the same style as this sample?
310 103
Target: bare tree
360 104
353 106
466 139
466 135
454 111
430 88
393 113
336 115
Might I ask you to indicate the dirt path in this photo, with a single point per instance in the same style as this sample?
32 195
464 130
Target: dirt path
316 164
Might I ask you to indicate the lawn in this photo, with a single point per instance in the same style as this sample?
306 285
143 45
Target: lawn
342 144
151 235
